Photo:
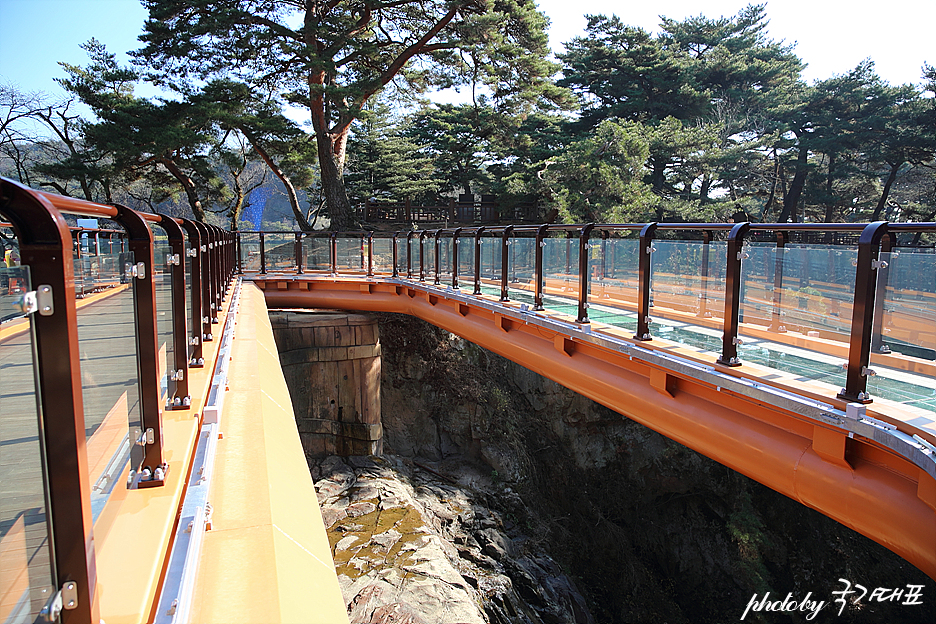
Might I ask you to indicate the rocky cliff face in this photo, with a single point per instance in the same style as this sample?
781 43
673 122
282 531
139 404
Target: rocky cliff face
414 547
649 530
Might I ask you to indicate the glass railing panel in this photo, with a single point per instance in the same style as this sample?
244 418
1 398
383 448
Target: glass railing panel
162 281
560 268
758 270
280 252
250 251
904 330
445 259
466 259
350 254
688 279
110 386
403 247
616 280
382 253
317 254
522 263
26 562
817 290
426 247
491 257
909 319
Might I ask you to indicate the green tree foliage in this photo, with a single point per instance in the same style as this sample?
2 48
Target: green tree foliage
458 138
703 88
277 140
334 56
134 137
383 163
599 178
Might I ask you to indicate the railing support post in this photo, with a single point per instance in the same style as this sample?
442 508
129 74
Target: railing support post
141 244
859 347
584 275
645 251
538 254
197 331
370 254
182 398
205 268
395 254
729 354
299 253
45 247
262 255
477 261
505 260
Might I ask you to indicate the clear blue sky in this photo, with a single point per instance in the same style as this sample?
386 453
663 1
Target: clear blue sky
832 36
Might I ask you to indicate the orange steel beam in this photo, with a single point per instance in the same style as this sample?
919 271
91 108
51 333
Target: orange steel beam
858 481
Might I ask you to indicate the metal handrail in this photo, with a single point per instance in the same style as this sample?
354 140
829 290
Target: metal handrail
865 325
46 243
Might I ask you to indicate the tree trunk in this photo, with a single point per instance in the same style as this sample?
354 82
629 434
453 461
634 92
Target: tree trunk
704 190
773 185
336 199
796 188
330 147
187 185
887 187
658 179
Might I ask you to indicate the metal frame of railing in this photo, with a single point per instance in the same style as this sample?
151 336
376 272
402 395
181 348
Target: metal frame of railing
865 333
46 247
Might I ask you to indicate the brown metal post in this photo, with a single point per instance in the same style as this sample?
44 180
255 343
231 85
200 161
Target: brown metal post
299 253
215 275
505 260
455 235
262 254
45 247
477 261
584 275
645 251
538 253
776 323
240 255
370 254
205 267
729 354
196 336
180 399
859 347
141 244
